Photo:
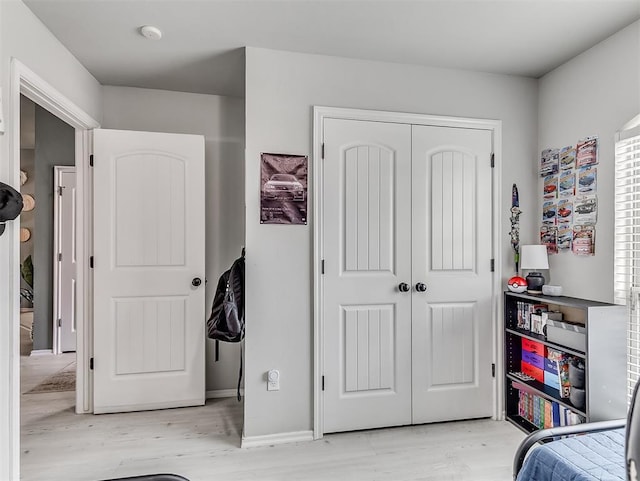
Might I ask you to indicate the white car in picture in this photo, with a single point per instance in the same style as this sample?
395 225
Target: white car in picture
283 186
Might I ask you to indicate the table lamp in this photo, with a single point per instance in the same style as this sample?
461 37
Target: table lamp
534 258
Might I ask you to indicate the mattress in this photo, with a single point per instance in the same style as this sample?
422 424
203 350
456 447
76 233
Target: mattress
588 457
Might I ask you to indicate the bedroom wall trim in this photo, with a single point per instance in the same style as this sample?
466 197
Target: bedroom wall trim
271 439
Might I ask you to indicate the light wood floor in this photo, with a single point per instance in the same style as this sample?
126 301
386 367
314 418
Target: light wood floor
202 444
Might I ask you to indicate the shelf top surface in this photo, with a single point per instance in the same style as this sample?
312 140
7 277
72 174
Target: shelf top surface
559 300
543 340
547 392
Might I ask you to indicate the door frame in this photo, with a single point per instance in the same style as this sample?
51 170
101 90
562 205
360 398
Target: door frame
58 170
26 82
320 113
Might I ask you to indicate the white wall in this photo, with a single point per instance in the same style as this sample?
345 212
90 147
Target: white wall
27 39
281 89
221 121
595 93
24 37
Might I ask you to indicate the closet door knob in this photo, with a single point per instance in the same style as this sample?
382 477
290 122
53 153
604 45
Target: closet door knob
420 287
404 287
196 282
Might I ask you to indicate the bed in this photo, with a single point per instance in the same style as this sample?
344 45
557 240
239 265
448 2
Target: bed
586 452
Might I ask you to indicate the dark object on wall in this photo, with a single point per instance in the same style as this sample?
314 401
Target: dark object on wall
10 204
226 322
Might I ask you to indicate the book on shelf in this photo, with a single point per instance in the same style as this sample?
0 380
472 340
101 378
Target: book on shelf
544 413
528 316
561 360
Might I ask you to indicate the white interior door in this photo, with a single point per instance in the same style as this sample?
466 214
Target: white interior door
452 326
405 204
149 219
65 259
367 254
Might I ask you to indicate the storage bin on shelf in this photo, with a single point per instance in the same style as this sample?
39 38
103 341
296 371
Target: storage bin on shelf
567 334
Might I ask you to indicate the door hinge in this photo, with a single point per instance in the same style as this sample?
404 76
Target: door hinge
493 160
59 322
91 160
323 383
493 370
493 265
322 266
59 190
322 155
91 262
91 364
59 256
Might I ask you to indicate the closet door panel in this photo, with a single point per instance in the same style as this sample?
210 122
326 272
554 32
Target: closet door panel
451 254
367 254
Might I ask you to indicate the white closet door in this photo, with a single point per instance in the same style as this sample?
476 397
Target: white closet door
451 230
367 254
149 317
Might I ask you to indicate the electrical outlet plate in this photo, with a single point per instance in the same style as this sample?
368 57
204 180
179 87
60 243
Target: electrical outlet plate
273 380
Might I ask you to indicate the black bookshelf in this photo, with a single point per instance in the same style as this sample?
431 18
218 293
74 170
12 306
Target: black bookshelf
604 358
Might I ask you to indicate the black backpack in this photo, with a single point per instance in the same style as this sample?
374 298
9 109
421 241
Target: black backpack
226 322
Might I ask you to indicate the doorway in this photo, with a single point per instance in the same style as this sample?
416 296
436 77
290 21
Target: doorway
25 82
47 144
46 375
405 305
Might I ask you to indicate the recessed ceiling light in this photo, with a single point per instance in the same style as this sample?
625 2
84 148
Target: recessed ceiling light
151 32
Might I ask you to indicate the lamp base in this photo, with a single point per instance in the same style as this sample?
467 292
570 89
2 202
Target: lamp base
535 281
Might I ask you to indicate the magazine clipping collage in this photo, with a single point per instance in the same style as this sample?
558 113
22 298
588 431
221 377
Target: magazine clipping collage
570 201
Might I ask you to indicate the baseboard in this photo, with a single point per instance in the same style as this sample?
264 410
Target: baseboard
220 393
280 438
42 352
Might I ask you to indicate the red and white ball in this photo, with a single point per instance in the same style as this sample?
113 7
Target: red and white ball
517 284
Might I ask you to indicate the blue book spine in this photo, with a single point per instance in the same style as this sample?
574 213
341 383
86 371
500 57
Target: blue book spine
556 414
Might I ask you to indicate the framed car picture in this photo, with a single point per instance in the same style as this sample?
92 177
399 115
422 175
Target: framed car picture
283 188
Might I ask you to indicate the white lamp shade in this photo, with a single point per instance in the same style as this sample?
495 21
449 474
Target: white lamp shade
534 257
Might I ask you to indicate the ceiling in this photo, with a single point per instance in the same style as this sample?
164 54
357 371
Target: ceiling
201 49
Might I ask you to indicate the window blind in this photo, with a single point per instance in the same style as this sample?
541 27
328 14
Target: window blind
627 243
